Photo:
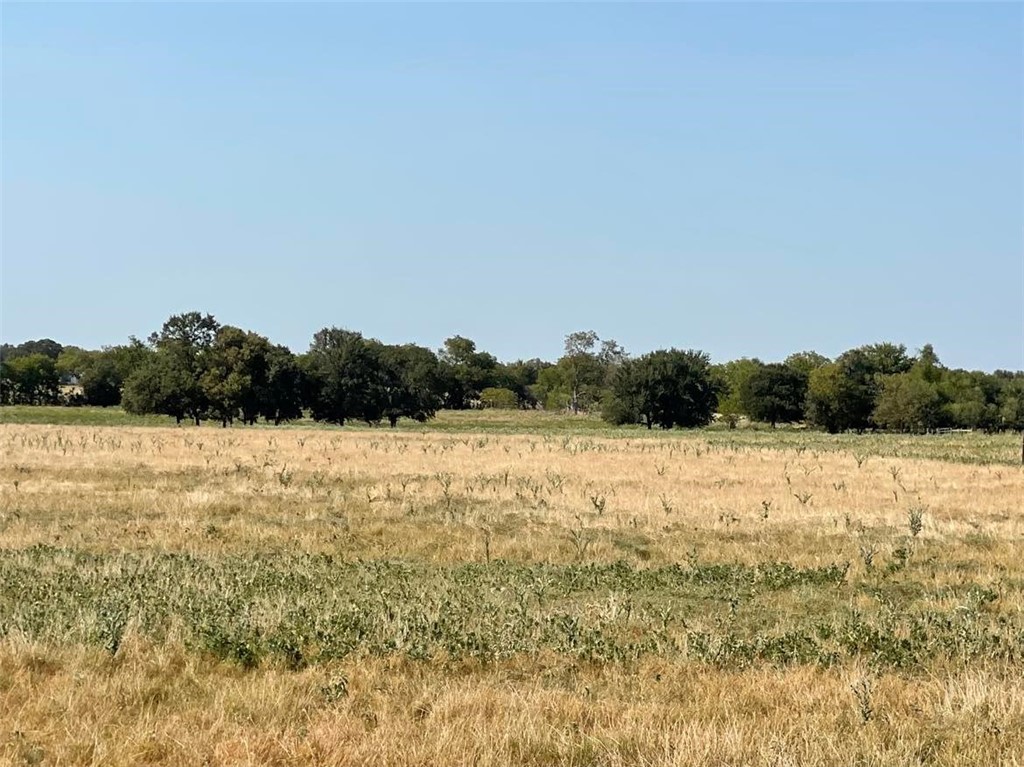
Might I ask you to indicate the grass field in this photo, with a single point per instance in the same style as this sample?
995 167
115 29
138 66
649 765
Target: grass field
506 589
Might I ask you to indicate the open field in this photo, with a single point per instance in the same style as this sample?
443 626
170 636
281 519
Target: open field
499 590
970 448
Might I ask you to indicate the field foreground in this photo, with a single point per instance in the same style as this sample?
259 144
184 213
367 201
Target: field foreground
187 596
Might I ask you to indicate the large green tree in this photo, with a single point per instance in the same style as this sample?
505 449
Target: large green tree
582 370
886 359
160 386
344 377
521 377
907 402
73 362
775 393
236 376
170 381
103 374
827 397
282 396
30 379
806 362
732 378
842 395
102 381
45 346
583 376
465 372
410 382
129 357
1011 401
665 388
915 399
973 399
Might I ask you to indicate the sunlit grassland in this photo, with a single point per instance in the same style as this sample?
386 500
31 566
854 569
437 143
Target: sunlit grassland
508 589
962 447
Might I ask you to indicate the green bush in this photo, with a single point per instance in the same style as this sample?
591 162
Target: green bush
501 399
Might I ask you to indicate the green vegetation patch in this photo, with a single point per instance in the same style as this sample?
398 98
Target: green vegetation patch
303 609
56 415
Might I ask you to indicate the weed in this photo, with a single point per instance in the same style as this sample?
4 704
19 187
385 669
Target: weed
915 519
581 539
867 555
862 690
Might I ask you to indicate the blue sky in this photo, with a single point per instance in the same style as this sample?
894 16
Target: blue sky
750 180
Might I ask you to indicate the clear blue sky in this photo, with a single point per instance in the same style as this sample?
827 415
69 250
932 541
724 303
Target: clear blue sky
750 180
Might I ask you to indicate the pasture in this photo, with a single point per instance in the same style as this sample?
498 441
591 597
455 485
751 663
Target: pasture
505 589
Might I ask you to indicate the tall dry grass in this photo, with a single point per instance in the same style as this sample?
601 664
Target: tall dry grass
441 500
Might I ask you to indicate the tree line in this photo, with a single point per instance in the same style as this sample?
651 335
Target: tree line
196 369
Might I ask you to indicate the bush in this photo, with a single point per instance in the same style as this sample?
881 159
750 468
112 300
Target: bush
500 399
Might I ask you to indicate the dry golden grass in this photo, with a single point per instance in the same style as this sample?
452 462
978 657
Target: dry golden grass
431 497
161 705
442 500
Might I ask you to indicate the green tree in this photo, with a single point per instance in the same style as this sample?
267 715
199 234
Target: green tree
886 359
582 369
583 375
103 374
158 386
806 362
521 377
826 397
129 357
410 382
281 398
973 399
861 373
45 346
732 379
909 403
552 388
843 395
344 377
775 393
465 372
73 362
914 400
170 380
666 388
102 381
31 379
186 340
1011 403
7 388
235 378
588 369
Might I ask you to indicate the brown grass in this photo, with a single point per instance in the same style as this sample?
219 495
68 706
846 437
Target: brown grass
447 499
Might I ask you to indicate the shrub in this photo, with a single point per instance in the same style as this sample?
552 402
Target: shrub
500 399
